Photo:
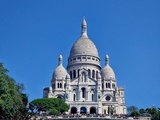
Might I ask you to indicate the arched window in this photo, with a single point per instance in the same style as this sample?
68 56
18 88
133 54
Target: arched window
89 72
83 77
78 72
113 85
96 74
71 74
109 86
74 97
74 73
60 85
106 85
93 74
92 97
83 92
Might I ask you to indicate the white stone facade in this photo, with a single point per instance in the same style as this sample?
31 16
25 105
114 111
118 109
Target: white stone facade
85 86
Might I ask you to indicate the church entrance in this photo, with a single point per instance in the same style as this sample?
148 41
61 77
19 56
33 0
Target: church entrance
73 110
83 110
92 110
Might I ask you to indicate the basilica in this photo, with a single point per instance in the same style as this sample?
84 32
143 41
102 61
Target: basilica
86 86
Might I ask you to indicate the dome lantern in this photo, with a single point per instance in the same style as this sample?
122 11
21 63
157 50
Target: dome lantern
107 59
60 59
84 28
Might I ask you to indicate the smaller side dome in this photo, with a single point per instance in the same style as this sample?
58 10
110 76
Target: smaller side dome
60 72
107 72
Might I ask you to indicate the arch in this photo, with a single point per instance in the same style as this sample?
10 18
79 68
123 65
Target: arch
60 85
83 110
64 85
96 74
73 110
93 74
83 92
92 97
74 97
74 73
92 110
78 72
89 72
59 97
109 85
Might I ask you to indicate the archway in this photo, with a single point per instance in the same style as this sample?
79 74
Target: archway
73 110
83 110
59 97
92 110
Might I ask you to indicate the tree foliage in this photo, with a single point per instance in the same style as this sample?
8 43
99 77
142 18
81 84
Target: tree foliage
131 109
135 113
154 112
141 111
52 105
12 101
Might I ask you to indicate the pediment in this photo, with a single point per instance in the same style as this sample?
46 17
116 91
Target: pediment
74 82
91 81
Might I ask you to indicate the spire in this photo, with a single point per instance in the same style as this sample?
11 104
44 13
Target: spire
107 59
84 28
60 59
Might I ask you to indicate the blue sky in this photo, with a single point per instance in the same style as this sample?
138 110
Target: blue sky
34 33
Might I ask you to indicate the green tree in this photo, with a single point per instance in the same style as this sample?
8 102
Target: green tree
154 112
52 105
131 109
135 113
141 111
11 97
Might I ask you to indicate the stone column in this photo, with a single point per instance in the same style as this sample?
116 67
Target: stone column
87 95
78 110
88 110
79 95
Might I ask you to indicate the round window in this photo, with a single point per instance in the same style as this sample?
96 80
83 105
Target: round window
108 98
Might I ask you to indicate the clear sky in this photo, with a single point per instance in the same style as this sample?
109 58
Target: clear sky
34 33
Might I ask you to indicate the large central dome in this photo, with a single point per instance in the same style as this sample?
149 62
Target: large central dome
84 46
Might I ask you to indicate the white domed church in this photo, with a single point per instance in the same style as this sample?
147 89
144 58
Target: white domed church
84 85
